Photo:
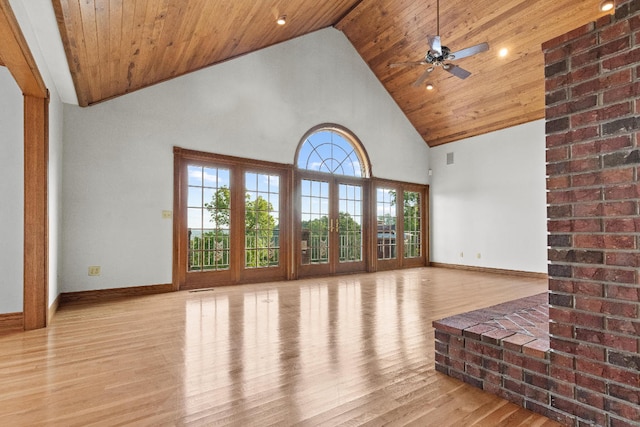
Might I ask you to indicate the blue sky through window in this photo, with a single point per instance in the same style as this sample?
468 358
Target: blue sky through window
330 152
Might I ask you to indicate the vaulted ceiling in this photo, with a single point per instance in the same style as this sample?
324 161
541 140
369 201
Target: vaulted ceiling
117 46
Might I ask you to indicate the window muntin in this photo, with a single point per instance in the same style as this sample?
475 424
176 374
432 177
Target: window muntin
208 218
330 151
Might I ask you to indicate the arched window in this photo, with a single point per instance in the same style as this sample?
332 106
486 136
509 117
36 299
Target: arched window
334 150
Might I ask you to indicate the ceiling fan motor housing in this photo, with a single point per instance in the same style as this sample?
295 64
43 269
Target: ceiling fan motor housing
434 58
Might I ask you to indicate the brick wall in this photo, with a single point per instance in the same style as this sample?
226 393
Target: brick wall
593 127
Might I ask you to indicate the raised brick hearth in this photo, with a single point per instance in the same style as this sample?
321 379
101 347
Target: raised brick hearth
502 349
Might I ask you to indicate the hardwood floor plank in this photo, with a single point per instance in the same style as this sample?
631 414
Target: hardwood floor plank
350 350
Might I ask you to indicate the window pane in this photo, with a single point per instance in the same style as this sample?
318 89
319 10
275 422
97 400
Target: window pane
315 222
331 152
349 224
251 181
195 175
262 196
195 197
386 214
208 218
412 224
194 218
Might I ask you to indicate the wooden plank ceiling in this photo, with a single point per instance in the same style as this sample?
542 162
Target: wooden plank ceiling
118 46
501 92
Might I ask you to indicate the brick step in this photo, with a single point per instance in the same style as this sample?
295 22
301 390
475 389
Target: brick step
503 349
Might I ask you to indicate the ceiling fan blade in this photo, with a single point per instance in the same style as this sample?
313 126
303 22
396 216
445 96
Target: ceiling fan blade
423 77
435 44
463 53
407 64
457 71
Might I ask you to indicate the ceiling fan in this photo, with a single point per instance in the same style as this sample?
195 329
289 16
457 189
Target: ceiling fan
439 55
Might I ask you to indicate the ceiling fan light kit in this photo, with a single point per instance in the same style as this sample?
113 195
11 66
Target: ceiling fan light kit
439 55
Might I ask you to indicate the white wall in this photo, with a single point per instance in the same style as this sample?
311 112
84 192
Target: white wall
491 201
118 159
11 194
55 195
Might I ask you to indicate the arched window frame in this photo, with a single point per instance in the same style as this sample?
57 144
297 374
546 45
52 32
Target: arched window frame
358 148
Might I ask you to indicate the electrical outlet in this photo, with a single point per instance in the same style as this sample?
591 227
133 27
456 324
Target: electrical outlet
167 214
94 270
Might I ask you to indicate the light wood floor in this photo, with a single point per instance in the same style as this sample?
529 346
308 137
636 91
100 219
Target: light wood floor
351 350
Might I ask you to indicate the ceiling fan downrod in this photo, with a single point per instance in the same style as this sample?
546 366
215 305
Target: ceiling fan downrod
437 17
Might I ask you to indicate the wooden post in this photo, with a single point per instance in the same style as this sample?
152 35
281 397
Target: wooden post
17 57
36 218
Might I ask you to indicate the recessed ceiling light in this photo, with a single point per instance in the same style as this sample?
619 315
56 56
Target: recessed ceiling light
503 52
429 86
606 5
282 20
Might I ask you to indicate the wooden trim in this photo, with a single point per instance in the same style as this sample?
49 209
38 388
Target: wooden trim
201 156
11 322
426 205
179 269
53 309
291 223
16 55
530 274
84 297
36 218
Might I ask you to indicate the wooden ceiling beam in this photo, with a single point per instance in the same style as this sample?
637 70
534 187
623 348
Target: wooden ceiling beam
16 56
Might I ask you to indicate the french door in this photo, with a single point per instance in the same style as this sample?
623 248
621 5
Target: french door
332 225
241 220
232 220
400 231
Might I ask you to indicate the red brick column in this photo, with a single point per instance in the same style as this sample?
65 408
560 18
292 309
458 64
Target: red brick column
593 158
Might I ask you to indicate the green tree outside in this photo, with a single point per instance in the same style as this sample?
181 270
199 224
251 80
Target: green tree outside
261 234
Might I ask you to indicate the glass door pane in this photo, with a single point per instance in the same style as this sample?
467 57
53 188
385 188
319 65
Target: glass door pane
314 210
412 225
387 219
208 218
262 225
349 223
